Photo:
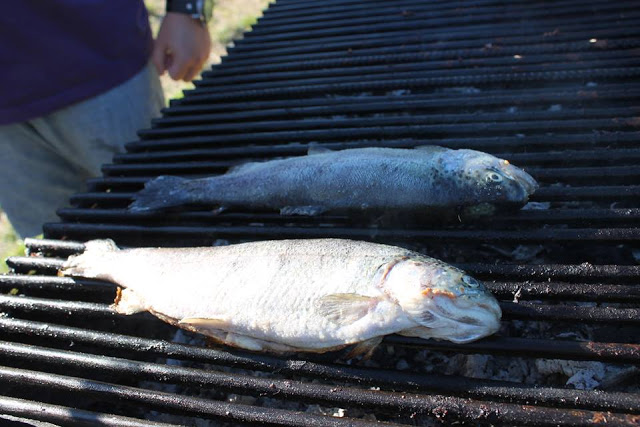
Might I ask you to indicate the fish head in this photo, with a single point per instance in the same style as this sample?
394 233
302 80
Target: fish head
489 179
444 301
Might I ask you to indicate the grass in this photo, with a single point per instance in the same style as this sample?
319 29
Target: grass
231 18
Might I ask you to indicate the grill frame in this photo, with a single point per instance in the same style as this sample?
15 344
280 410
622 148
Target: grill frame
564 110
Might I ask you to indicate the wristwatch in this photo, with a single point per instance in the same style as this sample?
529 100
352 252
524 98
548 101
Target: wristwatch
197 9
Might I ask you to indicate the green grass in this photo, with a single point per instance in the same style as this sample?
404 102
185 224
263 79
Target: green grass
230 19
10 243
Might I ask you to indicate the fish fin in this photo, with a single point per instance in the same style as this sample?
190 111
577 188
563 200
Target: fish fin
431 148
244 341
302 210
418 331
314 149
345 308
196 323
364 349
160 193
128 302
86 264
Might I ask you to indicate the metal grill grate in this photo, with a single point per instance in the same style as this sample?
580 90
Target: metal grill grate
551 87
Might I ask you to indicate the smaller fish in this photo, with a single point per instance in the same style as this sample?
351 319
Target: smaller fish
311 295
428 180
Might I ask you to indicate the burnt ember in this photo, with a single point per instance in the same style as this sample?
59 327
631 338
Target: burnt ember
552 88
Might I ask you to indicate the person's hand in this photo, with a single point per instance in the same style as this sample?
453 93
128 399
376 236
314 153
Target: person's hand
182 46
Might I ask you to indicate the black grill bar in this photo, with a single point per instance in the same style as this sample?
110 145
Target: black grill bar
362 376
627 352
392 105
615 174
609 217
414 53
549 19
312 107
214 232
525 290
226 144
609 273
410 63
69 416
178 404
405 403
280 14
613 154
389 82
560 291
480 38
301 8
437 44
522 310
423 134
534 120
53 284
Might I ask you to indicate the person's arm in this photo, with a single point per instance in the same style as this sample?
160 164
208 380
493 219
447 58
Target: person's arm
182 46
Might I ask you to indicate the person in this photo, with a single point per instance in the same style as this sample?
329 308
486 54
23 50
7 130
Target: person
78 80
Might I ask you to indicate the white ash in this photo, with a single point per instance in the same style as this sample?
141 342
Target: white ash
319 410
519 253
582 375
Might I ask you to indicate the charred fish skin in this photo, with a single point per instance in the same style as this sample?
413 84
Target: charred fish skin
295 295
353 179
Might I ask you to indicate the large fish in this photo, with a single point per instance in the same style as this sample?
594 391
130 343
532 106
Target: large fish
295 295
376 179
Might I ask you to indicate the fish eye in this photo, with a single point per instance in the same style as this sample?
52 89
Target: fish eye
473 283
494 177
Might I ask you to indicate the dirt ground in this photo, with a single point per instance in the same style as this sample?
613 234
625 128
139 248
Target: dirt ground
231 18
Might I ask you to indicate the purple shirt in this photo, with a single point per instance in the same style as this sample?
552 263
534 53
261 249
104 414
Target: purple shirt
54 53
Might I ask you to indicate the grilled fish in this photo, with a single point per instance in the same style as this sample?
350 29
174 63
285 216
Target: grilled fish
295 295
375 179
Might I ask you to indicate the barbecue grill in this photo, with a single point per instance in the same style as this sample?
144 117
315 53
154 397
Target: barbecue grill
550 86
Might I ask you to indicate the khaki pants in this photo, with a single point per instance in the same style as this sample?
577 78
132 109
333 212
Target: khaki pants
45 160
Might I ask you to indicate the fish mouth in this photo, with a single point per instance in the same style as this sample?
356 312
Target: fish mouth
527 183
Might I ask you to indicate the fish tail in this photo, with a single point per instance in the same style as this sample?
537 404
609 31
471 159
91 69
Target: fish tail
88 263
160 193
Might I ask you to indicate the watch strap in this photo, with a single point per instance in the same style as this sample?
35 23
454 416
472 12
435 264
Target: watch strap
188 7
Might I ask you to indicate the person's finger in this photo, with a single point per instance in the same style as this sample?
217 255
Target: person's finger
194 70
180 64
160 56
191 74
